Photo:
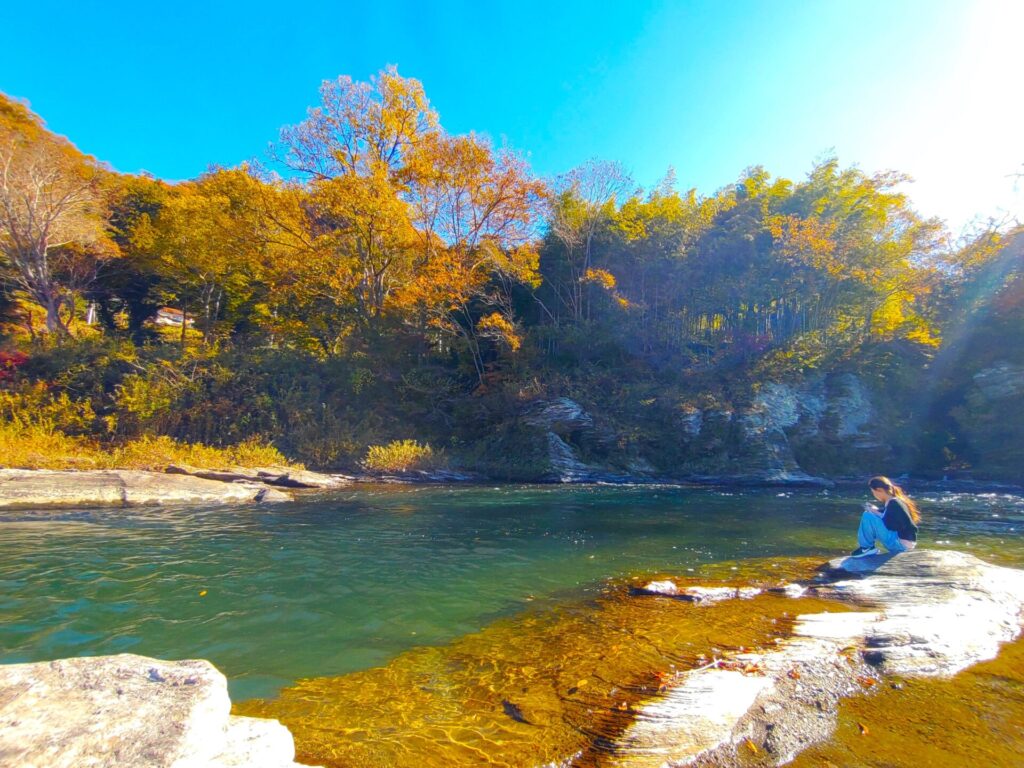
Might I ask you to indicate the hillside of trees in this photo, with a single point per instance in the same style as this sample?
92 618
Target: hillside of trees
375 278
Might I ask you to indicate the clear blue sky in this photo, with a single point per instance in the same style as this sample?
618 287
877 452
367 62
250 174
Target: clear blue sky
929 87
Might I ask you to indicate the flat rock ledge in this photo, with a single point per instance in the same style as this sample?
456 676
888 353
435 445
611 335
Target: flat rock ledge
129 710
921 613
283 477
26 489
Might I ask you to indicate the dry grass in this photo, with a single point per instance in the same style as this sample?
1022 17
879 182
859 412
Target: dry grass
41 446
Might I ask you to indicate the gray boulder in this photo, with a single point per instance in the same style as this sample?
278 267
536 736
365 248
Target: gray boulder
129 710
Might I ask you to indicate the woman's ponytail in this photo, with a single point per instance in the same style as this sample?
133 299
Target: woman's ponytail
912 510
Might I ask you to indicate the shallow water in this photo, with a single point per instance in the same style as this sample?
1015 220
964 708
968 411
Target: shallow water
328 586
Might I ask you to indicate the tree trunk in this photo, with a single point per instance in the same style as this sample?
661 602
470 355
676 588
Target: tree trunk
52 303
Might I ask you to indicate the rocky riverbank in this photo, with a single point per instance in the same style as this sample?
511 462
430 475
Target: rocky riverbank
923 613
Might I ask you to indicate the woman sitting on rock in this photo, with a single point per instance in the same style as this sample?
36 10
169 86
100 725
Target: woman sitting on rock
895 525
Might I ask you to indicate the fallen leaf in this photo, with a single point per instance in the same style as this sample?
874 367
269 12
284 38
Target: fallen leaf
202 593
863 729
752 746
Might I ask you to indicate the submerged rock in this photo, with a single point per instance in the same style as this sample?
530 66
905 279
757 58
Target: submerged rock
23 488
707 595
129 710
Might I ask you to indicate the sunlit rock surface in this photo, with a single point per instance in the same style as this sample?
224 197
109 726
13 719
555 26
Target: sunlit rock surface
23 488
929 613
129 710
559 423
941 610
700 713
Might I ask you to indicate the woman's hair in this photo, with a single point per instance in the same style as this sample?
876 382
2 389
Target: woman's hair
885 484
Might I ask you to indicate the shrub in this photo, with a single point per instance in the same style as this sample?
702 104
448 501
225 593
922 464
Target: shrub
10 362
400 456
157 452
38 446
35 406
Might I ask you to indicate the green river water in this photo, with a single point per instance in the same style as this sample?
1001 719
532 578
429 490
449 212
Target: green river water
333 585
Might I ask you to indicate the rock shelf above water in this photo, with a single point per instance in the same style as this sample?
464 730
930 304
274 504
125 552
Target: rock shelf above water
26 489
129 710
924 613
35 488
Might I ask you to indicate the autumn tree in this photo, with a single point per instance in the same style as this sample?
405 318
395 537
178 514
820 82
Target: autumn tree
51 217
209 246
583 201
127 283
860 254
476 213
352 151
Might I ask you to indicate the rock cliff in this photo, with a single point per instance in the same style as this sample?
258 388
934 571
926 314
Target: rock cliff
785 433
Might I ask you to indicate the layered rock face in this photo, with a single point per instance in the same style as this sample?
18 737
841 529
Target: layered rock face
922 613
129 710
787 434
560 423
990 419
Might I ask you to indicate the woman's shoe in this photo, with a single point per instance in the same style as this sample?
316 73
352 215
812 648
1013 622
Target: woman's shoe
864 551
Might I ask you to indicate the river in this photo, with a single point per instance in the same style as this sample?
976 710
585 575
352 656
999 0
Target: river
341 587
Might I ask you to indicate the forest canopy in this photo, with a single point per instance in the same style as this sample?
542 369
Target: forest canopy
377 278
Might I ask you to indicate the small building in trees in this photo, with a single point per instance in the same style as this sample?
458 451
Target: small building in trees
169 316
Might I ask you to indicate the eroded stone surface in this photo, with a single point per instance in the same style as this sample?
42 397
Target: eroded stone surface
697 716
129 710
22 488
923 613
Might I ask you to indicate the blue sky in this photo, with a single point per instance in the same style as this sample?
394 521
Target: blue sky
930 88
